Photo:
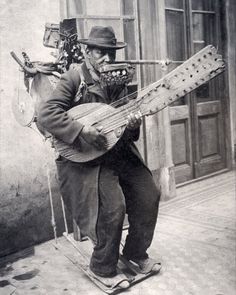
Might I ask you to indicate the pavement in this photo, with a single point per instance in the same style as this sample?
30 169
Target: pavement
195 239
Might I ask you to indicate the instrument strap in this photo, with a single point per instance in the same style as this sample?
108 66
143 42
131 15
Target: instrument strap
83 85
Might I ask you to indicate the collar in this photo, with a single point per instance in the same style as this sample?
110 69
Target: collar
94 75
87 76
95 87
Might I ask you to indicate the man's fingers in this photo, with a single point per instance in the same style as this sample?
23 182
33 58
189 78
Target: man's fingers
95 136
99 128
134 120
96 145
101 140
138 117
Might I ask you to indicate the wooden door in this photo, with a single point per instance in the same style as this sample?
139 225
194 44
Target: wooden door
208 100
197 121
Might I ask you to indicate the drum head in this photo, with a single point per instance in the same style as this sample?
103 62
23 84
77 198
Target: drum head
23 108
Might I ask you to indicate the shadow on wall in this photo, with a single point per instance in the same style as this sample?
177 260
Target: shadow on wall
25 216
25 222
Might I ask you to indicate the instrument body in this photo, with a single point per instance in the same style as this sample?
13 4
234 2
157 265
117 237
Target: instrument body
89 114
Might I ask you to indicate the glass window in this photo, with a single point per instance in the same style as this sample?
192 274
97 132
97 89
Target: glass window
103 7
203 4
74 7
128 7
202 92
174 3
175 35
129 36
80 28
204 34
203 29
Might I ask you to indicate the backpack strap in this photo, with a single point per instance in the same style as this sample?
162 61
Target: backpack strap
83 85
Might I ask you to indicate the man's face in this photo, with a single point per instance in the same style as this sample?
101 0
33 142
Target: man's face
99 57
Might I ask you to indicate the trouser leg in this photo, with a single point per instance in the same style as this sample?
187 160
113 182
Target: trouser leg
109 224
142 201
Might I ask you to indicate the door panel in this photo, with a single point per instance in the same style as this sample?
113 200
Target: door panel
211 149
181 142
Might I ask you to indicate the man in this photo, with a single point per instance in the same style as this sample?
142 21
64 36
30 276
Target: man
100 192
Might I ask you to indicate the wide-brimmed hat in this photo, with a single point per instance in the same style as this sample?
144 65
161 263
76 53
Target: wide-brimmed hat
102 37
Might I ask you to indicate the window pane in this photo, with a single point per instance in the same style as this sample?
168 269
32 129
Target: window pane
209 91
175 35
129 36
74 7
104 7
202 92
128 7
80 28
203 30
174 3
204 33
203 4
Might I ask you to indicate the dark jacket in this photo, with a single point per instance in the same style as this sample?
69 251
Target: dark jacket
79 182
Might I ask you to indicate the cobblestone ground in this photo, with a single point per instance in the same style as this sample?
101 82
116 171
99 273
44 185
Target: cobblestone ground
195 240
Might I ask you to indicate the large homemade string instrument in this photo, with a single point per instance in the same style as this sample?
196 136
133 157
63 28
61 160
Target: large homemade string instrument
194 72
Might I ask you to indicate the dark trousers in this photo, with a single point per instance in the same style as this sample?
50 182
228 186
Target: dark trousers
126 187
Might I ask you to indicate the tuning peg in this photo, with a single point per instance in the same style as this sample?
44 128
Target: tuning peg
153 111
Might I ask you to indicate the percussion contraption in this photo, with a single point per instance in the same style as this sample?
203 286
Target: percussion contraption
116 74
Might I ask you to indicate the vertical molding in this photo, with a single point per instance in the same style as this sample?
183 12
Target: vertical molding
191 97
230 45
143 141
121 21
167 177
63 9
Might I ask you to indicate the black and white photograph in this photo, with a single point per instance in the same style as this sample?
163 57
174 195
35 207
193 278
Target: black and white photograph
117 147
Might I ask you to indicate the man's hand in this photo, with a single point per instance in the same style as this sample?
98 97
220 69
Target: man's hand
94 136
134 121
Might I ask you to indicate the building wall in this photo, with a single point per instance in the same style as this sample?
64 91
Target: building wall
24 203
